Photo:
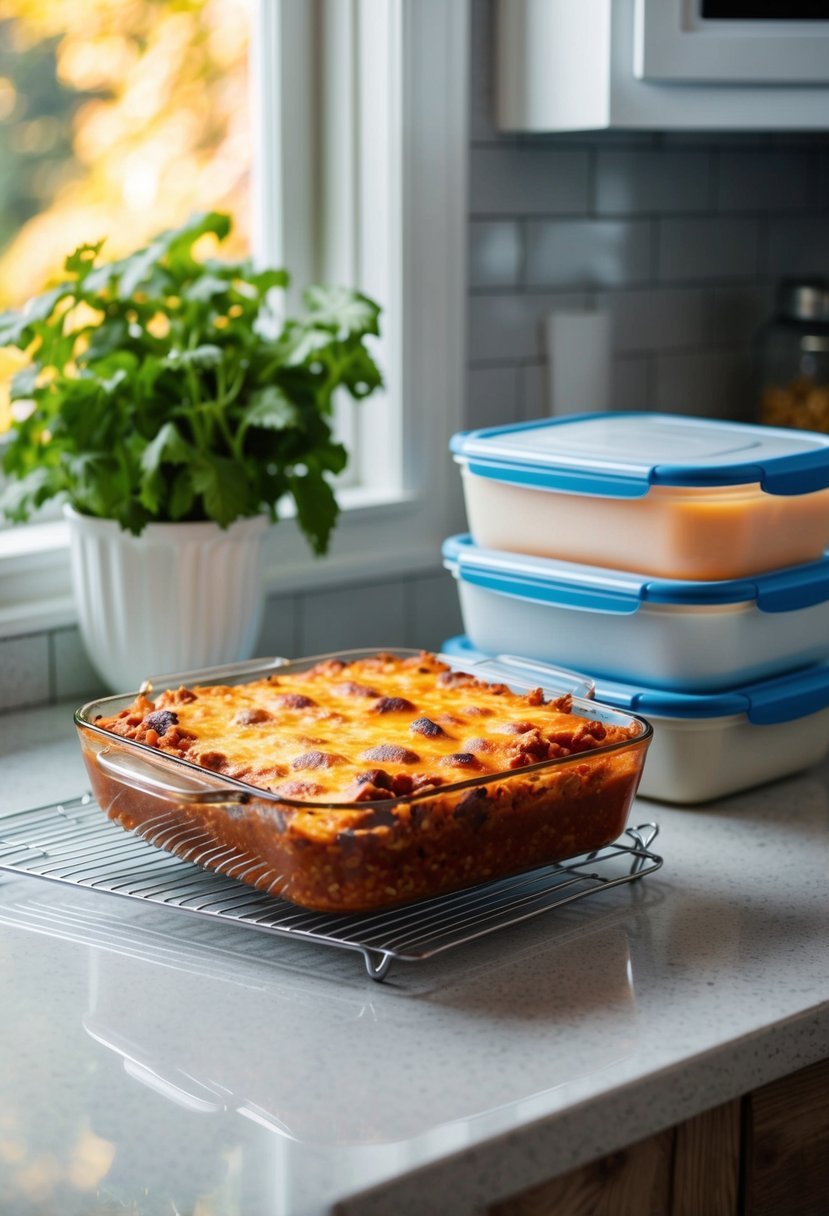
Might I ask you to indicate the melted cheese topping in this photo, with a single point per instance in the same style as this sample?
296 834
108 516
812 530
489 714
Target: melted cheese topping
372 729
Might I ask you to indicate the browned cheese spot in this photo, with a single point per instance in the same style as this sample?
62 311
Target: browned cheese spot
391 753
252 717
294 700
312 760
393 705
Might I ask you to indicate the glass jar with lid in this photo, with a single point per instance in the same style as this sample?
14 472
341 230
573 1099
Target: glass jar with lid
793 357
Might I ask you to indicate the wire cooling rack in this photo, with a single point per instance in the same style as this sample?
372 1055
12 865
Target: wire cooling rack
74 842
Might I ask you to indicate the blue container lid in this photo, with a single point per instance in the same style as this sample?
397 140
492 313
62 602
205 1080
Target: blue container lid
621 455
599 589
783 698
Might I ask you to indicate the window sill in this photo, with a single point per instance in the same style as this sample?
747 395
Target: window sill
377 538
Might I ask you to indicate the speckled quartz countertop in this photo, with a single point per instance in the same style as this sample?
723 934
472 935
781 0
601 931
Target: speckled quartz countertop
151 1063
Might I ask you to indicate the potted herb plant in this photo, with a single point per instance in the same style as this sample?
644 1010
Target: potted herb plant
172 410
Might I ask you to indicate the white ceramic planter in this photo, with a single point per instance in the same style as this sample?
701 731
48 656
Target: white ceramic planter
175 598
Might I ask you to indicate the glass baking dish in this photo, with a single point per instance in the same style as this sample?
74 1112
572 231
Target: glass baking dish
349 857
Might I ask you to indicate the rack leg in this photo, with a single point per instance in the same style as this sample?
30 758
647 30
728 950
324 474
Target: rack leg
377 970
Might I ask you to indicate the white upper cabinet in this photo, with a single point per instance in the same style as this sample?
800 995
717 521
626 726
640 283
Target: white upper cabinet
582 65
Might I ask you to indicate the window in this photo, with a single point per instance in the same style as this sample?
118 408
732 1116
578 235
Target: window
117 120
358 129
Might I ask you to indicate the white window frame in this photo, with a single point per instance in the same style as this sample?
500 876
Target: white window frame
394 522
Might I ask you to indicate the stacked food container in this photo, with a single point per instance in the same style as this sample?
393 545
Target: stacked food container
679 562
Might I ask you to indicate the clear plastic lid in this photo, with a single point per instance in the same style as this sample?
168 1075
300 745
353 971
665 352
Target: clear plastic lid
621 455
602 589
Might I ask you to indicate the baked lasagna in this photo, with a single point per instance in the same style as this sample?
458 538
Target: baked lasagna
363 783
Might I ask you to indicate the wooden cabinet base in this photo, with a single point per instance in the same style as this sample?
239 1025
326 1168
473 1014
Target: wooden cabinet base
787 1170
765 1154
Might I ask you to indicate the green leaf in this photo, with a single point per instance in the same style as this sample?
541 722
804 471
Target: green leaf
199 224
19 498
182 494
332 459
13 327
42 306
152 490
24 382
302 345
83 258
135 269
317 508
169 445
270 409
17 327
204 356
266 280
98 280
206 288
106 340
99 483
341 310
360 374
113 382
224 488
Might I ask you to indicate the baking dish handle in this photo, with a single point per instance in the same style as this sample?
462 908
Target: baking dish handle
553 679
142 774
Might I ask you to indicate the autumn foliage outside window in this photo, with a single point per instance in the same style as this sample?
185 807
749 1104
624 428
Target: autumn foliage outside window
118 118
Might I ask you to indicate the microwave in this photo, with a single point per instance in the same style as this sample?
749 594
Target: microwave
774 42
565 65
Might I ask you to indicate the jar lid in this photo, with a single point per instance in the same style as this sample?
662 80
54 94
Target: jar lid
804 299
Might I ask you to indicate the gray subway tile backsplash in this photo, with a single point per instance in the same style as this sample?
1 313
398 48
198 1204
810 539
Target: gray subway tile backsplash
496 253
652 181
511 326
493 396
72 674
798 245
711 384
630 386
24 671
536 391
767 180
435 610
656 318
575 253
279 634
521 180
368 615
709 248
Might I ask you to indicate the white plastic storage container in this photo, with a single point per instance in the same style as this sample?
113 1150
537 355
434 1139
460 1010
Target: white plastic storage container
706 746
684 635
667 495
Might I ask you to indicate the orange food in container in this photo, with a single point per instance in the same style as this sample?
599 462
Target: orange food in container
662 494
350 782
